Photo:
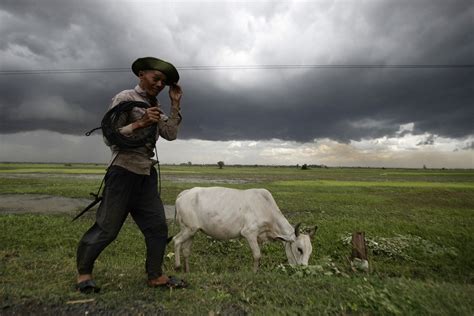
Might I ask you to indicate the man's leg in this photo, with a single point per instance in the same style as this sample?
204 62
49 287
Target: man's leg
149 214
112 212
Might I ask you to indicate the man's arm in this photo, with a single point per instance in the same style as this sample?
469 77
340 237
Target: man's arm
148 117
169 125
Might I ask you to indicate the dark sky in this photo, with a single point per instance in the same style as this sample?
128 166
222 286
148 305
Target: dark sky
249 104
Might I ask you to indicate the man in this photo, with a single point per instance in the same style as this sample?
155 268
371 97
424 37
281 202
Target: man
131 179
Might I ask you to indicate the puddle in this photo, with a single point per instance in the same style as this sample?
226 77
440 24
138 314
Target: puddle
203 180
51 175
164 177
50 204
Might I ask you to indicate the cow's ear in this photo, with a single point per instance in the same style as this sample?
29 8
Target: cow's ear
297 229
312 232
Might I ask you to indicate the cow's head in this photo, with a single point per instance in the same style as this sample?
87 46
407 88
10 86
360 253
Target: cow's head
298 251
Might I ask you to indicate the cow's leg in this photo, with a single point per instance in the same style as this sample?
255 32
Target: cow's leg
179 240
255 247
187 252
177 250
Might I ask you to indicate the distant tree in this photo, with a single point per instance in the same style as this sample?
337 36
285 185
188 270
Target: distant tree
424 166
190 163
220 164
304 167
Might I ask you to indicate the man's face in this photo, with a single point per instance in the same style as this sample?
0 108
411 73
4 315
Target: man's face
152 81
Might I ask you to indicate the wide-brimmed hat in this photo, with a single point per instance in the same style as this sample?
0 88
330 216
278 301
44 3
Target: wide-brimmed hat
152 63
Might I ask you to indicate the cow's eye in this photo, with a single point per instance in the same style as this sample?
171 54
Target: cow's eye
300 251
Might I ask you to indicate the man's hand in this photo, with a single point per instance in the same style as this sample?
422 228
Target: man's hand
151 116
175 94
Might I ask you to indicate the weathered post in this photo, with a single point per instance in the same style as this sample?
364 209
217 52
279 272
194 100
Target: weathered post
359 257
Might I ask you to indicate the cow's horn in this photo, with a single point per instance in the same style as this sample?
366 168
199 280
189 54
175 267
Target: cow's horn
313 231
297 229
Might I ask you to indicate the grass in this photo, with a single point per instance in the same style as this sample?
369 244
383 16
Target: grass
418 225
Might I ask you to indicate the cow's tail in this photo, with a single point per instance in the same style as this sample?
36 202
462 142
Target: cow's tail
169 239
175 213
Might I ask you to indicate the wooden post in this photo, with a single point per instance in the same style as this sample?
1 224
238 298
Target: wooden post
359 257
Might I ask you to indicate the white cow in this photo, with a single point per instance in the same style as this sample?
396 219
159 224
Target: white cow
225 213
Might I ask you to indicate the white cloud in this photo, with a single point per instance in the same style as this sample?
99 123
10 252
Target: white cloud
409 127
368 123
252 144
382 152
235 144
45 146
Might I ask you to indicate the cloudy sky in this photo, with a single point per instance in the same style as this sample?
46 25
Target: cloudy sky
251 92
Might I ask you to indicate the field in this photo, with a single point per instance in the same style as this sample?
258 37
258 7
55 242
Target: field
418 225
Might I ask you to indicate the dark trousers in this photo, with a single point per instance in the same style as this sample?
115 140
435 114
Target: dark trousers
126 192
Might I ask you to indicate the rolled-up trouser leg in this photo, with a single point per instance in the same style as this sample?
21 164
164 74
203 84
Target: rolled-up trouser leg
149 214
112 212
91 245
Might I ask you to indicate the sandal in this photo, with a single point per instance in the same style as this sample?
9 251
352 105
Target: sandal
176 283
172 282
87 287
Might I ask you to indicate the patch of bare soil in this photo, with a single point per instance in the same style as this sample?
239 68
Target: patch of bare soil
33 308
90 308
49 204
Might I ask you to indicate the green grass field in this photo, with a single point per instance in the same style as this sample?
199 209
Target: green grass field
418 226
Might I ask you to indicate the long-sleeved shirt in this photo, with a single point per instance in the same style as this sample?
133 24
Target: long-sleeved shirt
139 160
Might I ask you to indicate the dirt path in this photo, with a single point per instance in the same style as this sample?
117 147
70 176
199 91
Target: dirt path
49 204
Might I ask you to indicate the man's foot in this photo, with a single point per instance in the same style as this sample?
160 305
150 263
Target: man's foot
86 285
83 277
165 281
159 281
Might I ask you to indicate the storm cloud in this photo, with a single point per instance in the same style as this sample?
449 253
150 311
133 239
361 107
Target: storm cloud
294 104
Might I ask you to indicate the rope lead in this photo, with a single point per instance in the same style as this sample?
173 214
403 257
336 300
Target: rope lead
109 126
92 130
